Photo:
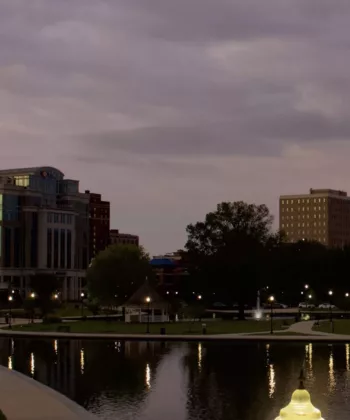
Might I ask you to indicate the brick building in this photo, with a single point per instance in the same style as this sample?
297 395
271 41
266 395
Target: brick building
115 237
99 222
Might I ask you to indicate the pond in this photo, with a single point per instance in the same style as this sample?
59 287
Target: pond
185 381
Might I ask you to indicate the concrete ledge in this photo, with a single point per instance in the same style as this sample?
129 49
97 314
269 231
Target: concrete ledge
327 338
23 398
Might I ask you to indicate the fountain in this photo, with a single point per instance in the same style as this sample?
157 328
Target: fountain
258 312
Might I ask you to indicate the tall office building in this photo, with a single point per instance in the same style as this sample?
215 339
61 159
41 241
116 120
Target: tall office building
99 212
44 228
322 215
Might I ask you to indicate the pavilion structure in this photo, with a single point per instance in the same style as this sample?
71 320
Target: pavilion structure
146 305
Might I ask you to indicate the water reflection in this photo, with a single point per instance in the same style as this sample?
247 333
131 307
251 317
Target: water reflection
184 381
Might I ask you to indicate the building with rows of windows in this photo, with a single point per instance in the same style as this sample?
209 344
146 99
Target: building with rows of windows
323 215
44 228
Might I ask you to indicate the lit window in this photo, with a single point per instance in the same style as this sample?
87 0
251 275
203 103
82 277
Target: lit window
303 209
282 209
287 209
282 225
298 224
298 201
291 209
319 200
307 200
282 201
315 216
291 201
287 201
291 217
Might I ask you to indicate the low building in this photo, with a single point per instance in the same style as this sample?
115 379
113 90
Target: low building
116 237
170 270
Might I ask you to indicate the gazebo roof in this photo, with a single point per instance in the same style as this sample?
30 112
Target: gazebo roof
138 299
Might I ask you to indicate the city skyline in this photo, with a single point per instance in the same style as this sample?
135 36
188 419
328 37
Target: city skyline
168 108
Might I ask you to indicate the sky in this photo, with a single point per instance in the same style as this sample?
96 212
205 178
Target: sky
167 108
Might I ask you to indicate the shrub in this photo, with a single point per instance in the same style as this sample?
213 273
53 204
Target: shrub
2 416
51 319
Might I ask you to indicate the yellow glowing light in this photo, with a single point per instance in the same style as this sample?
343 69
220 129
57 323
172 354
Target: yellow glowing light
148 299
55 346
9 365
300 407
347 356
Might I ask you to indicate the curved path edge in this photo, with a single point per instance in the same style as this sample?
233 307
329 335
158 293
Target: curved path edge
24 398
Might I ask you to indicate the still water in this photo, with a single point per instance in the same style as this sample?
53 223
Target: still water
185 381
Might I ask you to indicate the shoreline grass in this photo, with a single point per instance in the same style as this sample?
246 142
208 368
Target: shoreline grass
179 328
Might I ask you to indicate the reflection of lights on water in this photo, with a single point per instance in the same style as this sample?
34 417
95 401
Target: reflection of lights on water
82 361
117 346
308 357
148 376
331 372
267 354
347 356
32 364
272 381
9 365
199 356
55 346
12 345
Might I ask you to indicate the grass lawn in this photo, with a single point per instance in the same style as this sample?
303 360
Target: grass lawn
341 326
213 327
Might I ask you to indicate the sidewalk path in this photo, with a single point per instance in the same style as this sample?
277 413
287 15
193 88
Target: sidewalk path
23 398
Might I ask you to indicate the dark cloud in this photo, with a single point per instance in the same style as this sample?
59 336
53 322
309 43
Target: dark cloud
167 107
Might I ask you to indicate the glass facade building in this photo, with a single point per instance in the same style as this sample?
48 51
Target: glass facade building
44 227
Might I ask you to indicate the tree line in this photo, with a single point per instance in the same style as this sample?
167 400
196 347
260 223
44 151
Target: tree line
230 255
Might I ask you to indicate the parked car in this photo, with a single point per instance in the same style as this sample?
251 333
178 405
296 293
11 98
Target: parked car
275 305
306 305
327 305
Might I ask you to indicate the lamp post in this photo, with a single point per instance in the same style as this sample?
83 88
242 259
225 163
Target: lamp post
32 308
300 405
148 300
271 300
330 294
10 298
82 295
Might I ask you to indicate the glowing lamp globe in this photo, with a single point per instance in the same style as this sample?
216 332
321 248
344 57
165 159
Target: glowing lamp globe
300 407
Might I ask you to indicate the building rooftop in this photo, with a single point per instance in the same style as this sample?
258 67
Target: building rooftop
323 192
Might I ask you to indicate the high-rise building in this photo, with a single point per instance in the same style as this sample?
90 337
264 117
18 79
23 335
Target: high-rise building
323 215
115 237
99 223
44 228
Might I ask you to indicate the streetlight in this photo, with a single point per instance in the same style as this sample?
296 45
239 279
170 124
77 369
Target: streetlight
310 296
32 295
10 298
330 293
199 297
346 294
306 286
82 295
55 296
271 300
148 300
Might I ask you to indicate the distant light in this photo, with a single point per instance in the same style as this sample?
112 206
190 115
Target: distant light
55 296
10 298
176 293
310 296
82 294
302 293
148 299
271 298
306 286
32 295
330 292
346 294
199 297
13 291
167 292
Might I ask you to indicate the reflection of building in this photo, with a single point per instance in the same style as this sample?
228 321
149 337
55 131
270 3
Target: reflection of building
170 269
322 215
115 237
99 223
44 228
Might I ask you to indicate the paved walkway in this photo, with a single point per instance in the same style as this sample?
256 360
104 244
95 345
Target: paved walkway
23 398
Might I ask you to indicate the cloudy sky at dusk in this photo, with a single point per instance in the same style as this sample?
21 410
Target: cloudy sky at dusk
169 107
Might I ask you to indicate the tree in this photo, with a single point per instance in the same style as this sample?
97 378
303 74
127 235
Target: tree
117 272
228 251
45 286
